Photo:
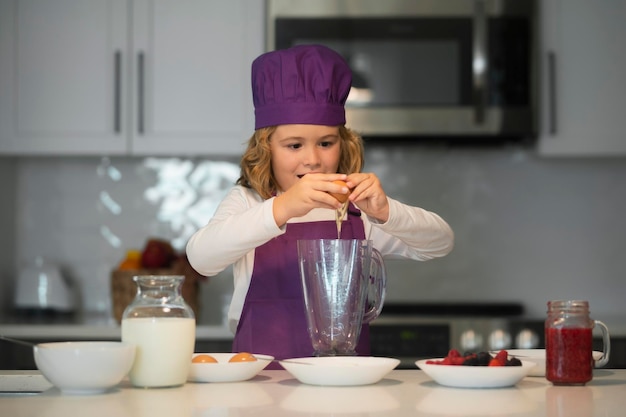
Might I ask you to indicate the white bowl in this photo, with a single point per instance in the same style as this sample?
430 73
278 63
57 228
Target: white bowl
538 356
460 376
339 370
224 371
84 367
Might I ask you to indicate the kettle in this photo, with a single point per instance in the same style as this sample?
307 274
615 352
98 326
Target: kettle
40 286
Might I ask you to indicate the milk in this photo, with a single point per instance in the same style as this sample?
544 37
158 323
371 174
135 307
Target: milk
164 349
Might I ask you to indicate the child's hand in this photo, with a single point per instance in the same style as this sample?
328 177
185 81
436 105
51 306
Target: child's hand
368 195
311 191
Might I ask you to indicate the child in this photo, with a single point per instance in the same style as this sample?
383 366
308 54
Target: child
299 147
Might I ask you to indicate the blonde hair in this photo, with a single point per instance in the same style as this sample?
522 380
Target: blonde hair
256 166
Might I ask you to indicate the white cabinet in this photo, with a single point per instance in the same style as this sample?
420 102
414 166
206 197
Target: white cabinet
128 77
57 76
584 83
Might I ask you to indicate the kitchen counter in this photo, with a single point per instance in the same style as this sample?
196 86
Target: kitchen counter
102 331
104 328
277 393
208 339
86 331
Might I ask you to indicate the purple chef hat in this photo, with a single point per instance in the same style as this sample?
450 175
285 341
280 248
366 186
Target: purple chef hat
306 84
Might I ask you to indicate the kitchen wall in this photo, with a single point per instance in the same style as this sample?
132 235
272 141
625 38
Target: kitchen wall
527 228
8 231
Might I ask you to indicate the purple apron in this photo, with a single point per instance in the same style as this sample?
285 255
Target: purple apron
273 320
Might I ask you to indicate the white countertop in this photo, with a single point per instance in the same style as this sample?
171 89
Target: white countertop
94 332
106 331
105 328
277 393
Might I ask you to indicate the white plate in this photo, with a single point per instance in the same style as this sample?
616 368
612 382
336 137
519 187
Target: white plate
460 376
224 371
538 356
339 370
23 381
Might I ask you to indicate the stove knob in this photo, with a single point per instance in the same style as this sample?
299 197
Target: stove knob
527 339
499 339
471 341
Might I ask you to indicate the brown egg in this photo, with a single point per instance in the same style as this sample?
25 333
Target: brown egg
243 357
204 359
341 197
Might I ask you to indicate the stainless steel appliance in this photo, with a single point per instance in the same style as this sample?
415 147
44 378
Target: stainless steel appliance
417 331
41 289
425 68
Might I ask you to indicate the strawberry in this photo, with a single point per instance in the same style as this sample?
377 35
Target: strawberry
446 361
457 360
453 353
502 356
496 362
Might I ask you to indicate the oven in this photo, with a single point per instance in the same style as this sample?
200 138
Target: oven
411 332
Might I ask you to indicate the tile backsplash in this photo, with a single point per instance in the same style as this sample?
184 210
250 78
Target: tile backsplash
527 229
84 213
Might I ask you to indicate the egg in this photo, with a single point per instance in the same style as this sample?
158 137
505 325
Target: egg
243 357
341 197
204 359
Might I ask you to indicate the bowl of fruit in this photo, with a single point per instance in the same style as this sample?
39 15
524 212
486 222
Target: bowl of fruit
226 367
476 370
538 357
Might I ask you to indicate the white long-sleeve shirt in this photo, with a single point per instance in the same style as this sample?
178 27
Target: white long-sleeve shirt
244 221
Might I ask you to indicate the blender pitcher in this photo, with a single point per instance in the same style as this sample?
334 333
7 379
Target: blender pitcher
344 286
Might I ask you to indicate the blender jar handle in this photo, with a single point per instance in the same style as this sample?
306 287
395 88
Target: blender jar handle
378 285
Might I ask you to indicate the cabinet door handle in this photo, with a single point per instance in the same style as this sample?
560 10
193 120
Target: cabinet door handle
552 91
140 92
117 92
479 61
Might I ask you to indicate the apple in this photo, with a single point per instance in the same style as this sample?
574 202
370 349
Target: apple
157 253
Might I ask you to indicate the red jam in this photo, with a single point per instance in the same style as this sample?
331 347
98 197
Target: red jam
568 356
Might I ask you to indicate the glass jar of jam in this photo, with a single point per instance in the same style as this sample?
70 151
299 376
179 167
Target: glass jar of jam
569 353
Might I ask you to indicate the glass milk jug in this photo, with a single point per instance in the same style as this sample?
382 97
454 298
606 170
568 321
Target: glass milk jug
569 353
163 328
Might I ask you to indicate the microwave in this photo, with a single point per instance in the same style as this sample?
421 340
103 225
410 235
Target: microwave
455 69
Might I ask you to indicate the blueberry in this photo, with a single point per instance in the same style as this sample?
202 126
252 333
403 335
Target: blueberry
483 358
471 361
513 362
